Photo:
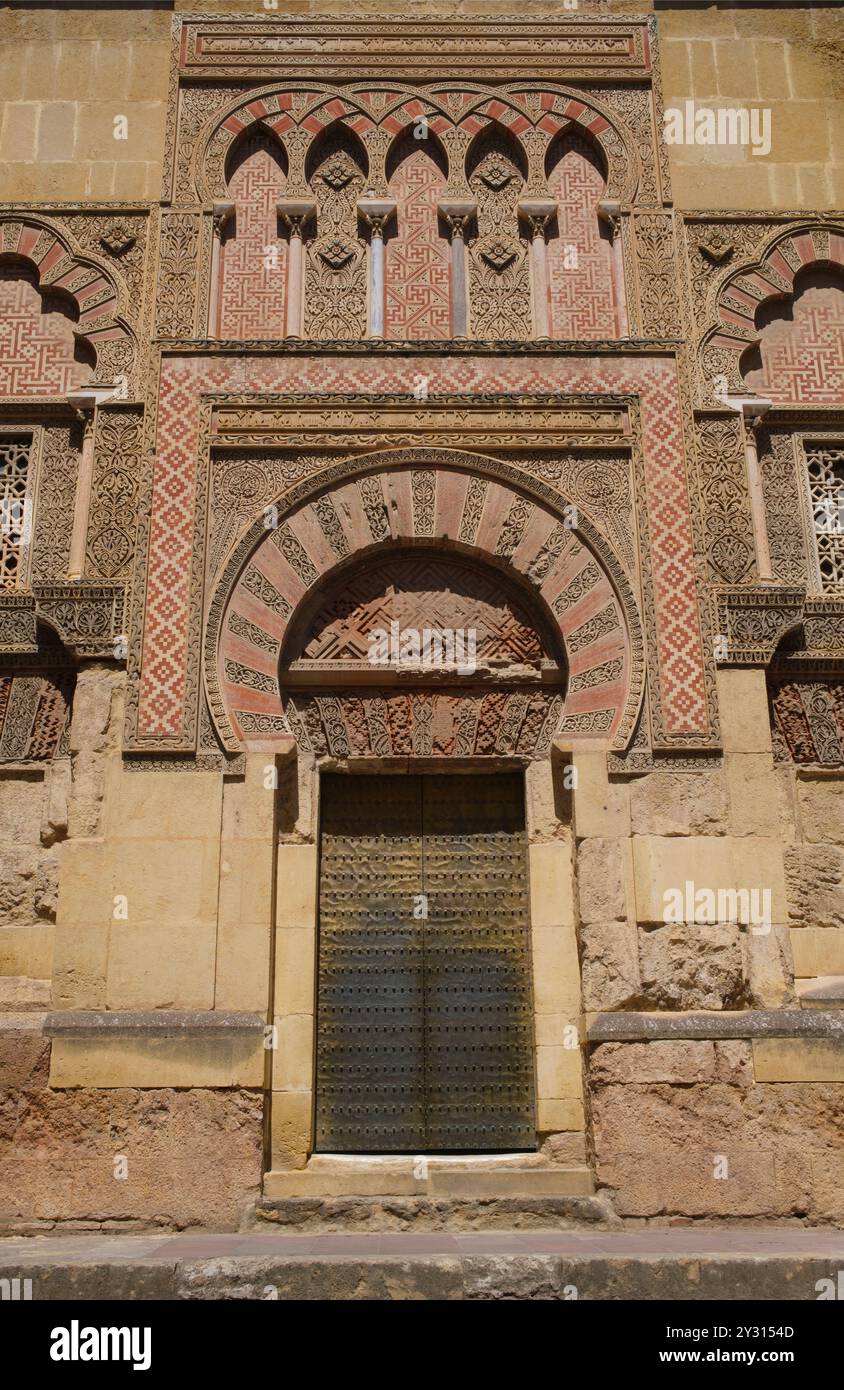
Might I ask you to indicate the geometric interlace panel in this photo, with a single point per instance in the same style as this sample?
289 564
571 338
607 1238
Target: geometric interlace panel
14 512
825 468
344 698
421 593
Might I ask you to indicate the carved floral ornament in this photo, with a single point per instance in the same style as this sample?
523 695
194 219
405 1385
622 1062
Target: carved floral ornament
379 113
438 499
738 291
60 267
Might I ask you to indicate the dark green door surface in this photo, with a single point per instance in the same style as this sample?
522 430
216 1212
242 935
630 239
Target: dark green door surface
424 1015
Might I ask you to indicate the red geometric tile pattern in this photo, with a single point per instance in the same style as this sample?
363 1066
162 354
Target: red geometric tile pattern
677 617
417 257
38 352
253 257
579 265
803 356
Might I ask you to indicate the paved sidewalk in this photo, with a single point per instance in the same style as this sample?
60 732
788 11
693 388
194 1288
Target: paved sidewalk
724 1243
748 1263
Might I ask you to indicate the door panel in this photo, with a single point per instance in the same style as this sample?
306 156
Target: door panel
424 1021
370 1008
478 1006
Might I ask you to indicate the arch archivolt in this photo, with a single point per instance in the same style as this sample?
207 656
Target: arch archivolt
61 269
439 503
741 292
378 113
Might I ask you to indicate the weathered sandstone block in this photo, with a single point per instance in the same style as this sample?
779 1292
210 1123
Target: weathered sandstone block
691 967
679 803
610 966
601 867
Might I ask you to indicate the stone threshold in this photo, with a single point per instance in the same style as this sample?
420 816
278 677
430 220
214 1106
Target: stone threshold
80 1023
435 1178
744 1023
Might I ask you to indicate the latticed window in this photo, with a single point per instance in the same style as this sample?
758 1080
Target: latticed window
15 507
825 466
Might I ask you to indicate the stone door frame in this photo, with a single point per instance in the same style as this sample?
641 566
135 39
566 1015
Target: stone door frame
555 964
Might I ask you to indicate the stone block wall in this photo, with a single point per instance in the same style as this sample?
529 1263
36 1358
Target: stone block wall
695 1129
146 874
65 75
710 1118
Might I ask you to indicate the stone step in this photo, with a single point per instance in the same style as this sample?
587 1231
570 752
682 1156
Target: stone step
430 1181
512 1212
19 993
691 1265
573 1156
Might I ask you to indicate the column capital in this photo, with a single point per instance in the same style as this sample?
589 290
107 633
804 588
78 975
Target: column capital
609 211
221 210
295 212
457 212
754 408
537 211
376 211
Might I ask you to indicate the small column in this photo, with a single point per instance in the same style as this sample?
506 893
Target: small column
609 211
222 211
752 412
85 403
295 212
538 212
376 212
458 212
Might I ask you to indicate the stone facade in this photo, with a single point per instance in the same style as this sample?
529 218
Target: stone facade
435 336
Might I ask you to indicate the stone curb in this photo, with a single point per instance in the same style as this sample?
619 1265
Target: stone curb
521 1276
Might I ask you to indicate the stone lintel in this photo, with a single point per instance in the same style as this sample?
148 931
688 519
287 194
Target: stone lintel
745 1023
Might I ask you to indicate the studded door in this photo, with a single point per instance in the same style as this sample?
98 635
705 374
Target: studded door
424 1008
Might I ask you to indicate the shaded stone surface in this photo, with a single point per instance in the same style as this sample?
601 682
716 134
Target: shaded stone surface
709 1142
814 876
677 803
600 866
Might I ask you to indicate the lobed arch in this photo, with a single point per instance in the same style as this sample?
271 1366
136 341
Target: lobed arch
811 317
445 500
346 137
250 298
378 112
495 132
81 280
751 287
246 142
418 269
404 141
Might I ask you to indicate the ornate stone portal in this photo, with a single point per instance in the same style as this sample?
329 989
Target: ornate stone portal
413 434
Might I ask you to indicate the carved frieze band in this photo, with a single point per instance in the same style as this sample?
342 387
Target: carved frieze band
89 618
752 621
112 520
725 503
